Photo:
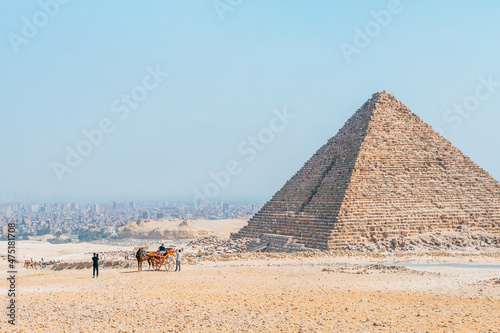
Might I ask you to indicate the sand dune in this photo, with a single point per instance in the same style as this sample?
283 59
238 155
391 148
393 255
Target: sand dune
179 228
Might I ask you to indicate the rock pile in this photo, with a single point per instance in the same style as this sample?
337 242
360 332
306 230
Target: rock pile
434 242
114 255
214 244
87 265
276 243
368 269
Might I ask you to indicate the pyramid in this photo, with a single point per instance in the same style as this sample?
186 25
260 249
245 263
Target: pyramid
385 174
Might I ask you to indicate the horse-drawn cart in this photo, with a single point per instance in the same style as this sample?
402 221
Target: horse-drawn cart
164 258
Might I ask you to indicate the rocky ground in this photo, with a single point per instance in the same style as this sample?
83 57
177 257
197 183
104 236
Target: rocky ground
449 241
214 245
216 249
222 288
273 292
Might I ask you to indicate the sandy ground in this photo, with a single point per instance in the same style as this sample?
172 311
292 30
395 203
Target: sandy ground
196 227
260 294
222 228
25 250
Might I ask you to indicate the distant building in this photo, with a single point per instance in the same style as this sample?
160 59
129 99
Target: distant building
256 208
118 206
46 208
132 205
74 206
146 215
95 208
34 208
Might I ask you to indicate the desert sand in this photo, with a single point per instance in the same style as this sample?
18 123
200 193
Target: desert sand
267 293
69 251
180 228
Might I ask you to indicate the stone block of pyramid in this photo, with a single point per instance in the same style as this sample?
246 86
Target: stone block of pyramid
385 174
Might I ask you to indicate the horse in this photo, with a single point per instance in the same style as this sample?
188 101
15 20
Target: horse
142 256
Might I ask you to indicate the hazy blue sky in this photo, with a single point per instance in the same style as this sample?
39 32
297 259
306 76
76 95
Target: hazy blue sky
66 67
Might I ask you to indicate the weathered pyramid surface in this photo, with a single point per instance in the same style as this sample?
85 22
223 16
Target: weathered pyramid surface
385 174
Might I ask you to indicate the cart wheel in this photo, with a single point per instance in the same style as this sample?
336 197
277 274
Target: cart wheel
169 263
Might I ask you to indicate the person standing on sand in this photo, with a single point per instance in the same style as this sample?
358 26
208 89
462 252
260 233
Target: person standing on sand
95 265
178 261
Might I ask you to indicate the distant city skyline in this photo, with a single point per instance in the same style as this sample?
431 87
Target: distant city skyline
226 100
188 200
93 221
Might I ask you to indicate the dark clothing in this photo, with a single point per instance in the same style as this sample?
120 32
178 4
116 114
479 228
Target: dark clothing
162 248
95 264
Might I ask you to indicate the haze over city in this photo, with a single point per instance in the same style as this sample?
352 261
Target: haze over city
204 81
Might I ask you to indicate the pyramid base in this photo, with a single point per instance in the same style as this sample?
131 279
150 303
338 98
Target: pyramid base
276 243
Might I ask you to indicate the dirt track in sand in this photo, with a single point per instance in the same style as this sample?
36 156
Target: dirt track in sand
249 295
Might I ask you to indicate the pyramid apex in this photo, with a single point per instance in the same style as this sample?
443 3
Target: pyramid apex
383 95
382 100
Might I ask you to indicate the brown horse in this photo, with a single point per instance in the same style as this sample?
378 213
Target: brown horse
141 256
